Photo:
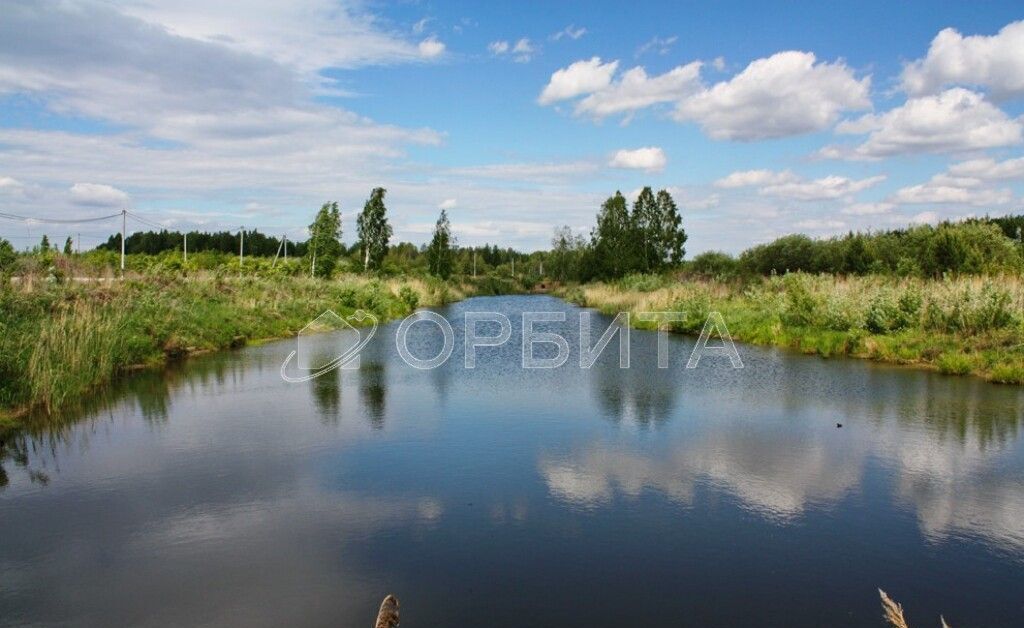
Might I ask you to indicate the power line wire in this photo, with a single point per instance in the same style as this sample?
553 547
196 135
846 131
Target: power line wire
57 220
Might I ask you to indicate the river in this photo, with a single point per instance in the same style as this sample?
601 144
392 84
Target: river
216 493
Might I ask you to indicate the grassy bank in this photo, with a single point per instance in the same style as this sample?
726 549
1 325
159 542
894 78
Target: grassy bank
58 341
956 325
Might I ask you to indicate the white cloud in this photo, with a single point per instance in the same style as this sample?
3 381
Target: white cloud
421 25
745 178
989 169
635 90
571 31
431 47
448 203
950 190
582 77
820 224
789 93
718 63
304 34
826 188
925 218
9 183
660 45
522 51
868 209
956 120
98 195
541 173
785 184
650 158
994 62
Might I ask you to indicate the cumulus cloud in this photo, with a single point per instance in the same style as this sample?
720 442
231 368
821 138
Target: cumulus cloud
745 178
992 62
989 169
956 120
498 47
448 203
951 190
582 77
635 90
98 195
649 158
9 183
788 93
431 47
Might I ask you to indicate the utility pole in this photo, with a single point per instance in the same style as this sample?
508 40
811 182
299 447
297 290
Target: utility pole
474 262
513 268
124 227
284 238
78 245
186 247
241 245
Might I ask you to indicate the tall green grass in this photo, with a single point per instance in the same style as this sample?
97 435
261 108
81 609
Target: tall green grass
958 325
58 341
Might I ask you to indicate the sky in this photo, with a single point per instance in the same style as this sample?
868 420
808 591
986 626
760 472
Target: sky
760 119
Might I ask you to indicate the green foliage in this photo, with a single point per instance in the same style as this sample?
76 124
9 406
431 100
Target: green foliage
970 247
714 265
410 297
642 282
325 246
374 230
439 252
8 258
647 239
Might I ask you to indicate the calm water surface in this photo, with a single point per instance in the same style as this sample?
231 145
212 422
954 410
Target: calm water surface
218 494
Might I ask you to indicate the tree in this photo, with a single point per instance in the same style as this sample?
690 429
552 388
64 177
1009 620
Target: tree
7 257
44 244
439 252
647 237
325 240
68 249
567 250
613 238
672 235
374 230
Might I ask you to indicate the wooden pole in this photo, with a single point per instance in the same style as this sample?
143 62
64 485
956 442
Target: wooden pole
186 247
241 245
124 227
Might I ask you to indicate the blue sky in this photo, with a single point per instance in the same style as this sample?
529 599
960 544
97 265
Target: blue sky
761 119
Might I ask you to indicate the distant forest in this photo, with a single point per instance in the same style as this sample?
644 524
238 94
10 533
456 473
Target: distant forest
616 247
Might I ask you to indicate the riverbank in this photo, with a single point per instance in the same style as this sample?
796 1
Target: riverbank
59 342
959 326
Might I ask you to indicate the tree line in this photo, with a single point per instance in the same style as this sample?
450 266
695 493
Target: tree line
973 246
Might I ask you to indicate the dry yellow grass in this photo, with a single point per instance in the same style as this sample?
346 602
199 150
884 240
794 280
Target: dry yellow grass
893 613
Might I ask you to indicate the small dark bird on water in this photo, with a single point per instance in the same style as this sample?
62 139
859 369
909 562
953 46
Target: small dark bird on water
839 424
